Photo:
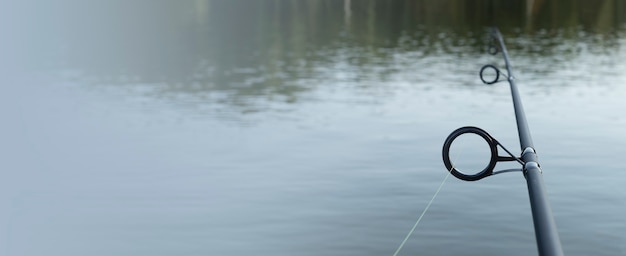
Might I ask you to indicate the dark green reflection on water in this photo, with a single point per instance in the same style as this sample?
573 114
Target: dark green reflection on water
280 50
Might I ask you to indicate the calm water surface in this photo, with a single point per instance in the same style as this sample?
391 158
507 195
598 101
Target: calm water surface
176 129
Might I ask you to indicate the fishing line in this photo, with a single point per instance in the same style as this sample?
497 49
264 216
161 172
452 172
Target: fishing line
422 215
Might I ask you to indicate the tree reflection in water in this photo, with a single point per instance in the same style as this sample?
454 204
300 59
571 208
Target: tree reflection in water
245 54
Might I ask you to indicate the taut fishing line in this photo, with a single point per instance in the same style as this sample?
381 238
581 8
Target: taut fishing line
425 209
488 171
421 215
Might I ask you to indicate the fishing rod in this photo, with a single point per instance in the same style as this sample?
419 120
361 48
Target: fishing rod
546 234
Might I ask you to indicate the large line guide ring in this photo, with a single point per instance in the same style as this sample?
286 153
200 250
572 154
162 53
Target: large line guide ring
493 147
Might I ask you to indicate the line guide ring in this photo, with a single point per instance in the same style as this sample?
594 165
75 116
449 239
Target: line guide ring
493 146
492 49
489 66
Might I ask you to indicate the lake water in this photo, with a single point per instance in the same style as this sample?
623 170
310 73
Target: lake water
302 128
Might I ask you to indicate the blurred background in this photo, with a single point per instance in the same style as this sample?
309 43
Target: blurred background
314 127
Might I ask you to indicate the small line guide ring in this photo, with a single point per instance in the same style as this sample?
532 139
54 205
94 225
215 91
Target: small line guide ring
482 70
492 146
492 49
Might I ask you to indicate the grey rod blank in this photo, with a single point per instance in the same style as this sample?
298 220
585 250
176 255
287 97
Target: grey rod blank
546 233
